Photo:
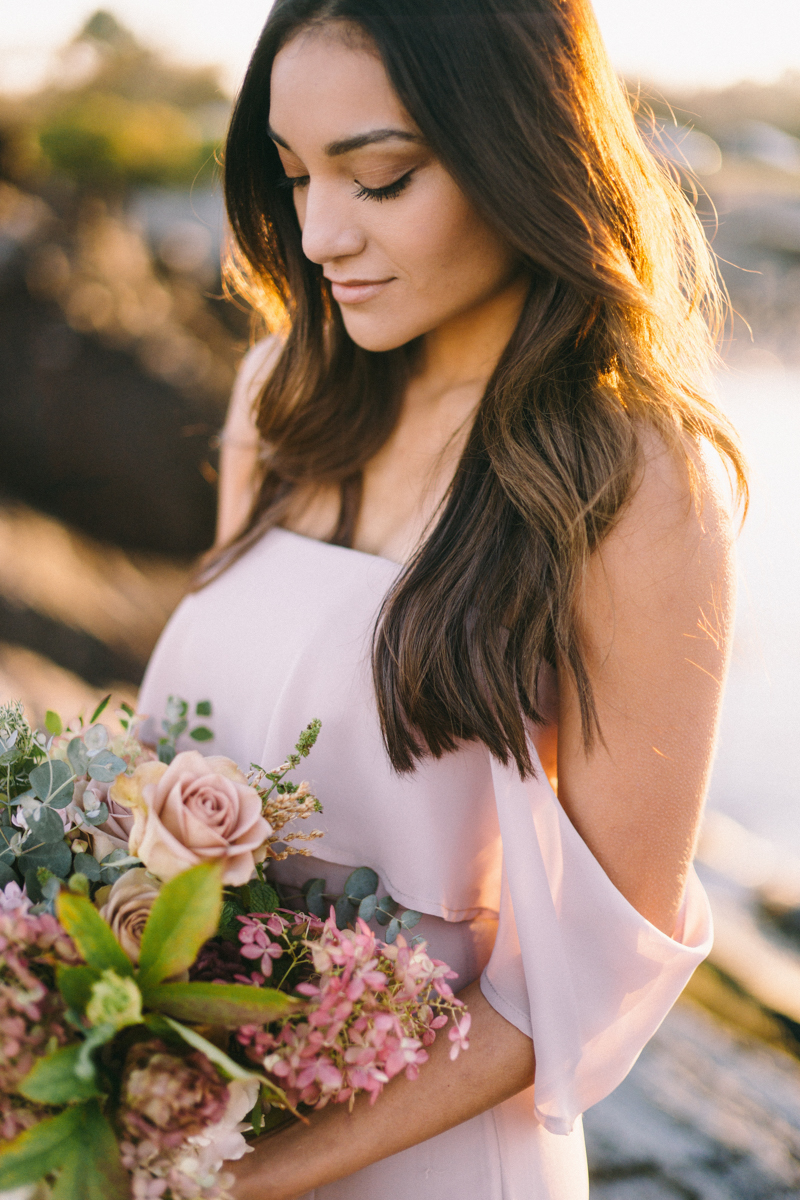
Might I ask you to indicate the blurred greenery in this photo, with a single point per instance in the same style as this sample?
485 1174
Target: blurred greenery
119 116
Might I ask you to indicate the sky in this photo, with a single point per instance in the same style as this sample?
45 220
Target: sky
678 43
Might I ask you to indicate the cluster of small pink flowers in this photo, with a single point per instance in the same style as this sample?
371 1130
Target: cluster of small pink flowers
373 1008
31 1010
166 1099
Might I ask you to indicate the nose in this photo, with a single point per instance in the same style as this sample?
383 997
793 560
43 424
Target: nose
329 225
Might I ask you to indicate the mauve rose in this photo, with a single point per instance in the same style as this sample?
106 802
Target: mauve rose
127 908
114 833
194 810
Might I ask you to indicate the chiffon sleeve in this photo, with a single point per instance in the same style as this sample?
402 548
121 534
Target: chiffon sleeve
575 966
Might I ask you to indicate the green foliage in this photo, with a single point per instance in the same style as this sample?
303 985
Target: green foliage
101 708
56 856
20 751
92 1169
226 1004
75 985
36 1152
259 896
94 939
185 914
53 723
52 1080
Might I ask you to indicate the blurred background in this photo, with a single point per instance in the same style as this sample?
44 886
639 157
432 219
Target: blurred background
117 354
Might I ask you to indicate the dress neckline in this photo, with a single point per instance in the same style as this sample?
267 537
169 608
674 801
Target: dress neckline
303 537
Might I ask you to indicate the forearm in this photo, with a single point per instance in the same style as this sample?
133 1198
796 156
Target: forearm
336 1143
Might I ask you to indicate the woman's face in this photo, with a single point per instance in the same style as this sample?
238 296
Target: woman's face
404 249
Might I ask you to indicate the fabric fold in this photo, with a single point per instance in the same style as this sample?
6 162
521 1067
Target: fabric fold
575 966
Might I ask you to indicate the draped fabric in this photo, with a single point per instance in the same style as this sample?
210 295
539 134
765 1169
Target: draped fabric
284 636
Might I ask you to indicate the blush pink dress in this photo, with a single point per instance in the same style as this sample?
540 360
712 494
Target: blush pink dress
510 892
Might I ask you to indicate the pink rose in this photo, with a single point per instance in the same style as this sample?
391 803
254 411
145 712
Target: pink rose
191 811
127 908
114 833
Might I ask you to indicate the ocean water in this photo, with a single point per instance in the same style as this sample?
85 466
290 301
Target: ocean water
756 777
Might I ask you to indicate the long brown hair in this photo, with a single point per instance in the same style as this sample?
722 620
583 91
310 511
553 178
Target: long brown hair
519 102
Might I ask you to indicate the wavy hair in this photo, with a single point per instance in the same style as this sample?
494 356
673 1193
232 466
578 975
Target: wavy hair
519 102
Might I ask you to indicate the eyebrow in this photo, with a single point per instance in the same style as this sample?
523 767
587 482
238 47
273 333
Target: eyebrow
346 145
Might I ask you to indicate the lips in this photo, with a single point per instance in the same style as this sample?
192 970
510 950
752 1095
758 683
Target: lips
356 291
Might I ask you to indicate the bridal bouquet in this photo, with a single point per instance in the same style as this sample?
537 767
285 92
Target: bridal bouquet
158 1005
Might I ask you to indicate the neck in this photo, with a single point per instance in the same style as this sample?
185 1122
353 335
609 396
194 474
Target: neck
464 351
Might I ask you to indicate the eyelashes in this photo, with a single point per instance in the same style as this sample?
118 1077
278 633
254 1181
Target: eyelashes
389 192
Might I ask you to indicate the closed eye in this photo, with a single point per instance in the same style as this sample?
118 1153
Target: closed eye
385 193
293 181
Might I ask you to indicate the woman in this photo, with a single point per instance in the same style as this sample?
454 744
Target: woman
470 517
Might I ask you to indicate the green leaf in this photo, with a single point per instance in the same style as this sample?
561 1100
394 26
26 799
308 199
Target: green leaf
92 1170
98 817
94 939
228 1004
366 909
360 883
263 897
410 918
36 1152
386 909
212 1052
78 756
100 709
53 723
185 914
345 912
6 834
45 825
56 856
7 874
166 752
392 931
52 1080
75 985
98 1035
229 927
105 767
87 864
126 708
203 709
51 781
201 734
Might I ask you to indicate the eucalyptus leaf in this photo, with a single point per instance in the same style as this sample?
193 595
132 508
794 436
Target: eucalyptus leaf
97 816
360 883
316 900
175 709
345 912
96 738
45 825
166 752
366 909
87 864
7 874
105 767
51 781
391 933
78 756
116 864
7 855
201 733
410 918
39 1150
9 756
203 708
56 856
52 1080
386 909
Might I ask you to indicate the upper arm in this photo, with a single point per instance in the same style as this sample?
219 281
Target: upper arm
239 459
655 618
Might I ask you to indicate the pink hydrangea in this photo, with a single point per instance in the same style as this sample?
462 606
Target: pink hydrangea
31 1009
373 1008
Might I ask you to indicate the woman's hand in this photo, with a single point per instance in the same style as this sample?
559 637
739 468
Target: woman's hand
336 1142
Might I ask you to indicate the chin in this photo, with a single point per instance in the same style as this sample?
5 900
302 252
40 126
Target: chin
378 335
